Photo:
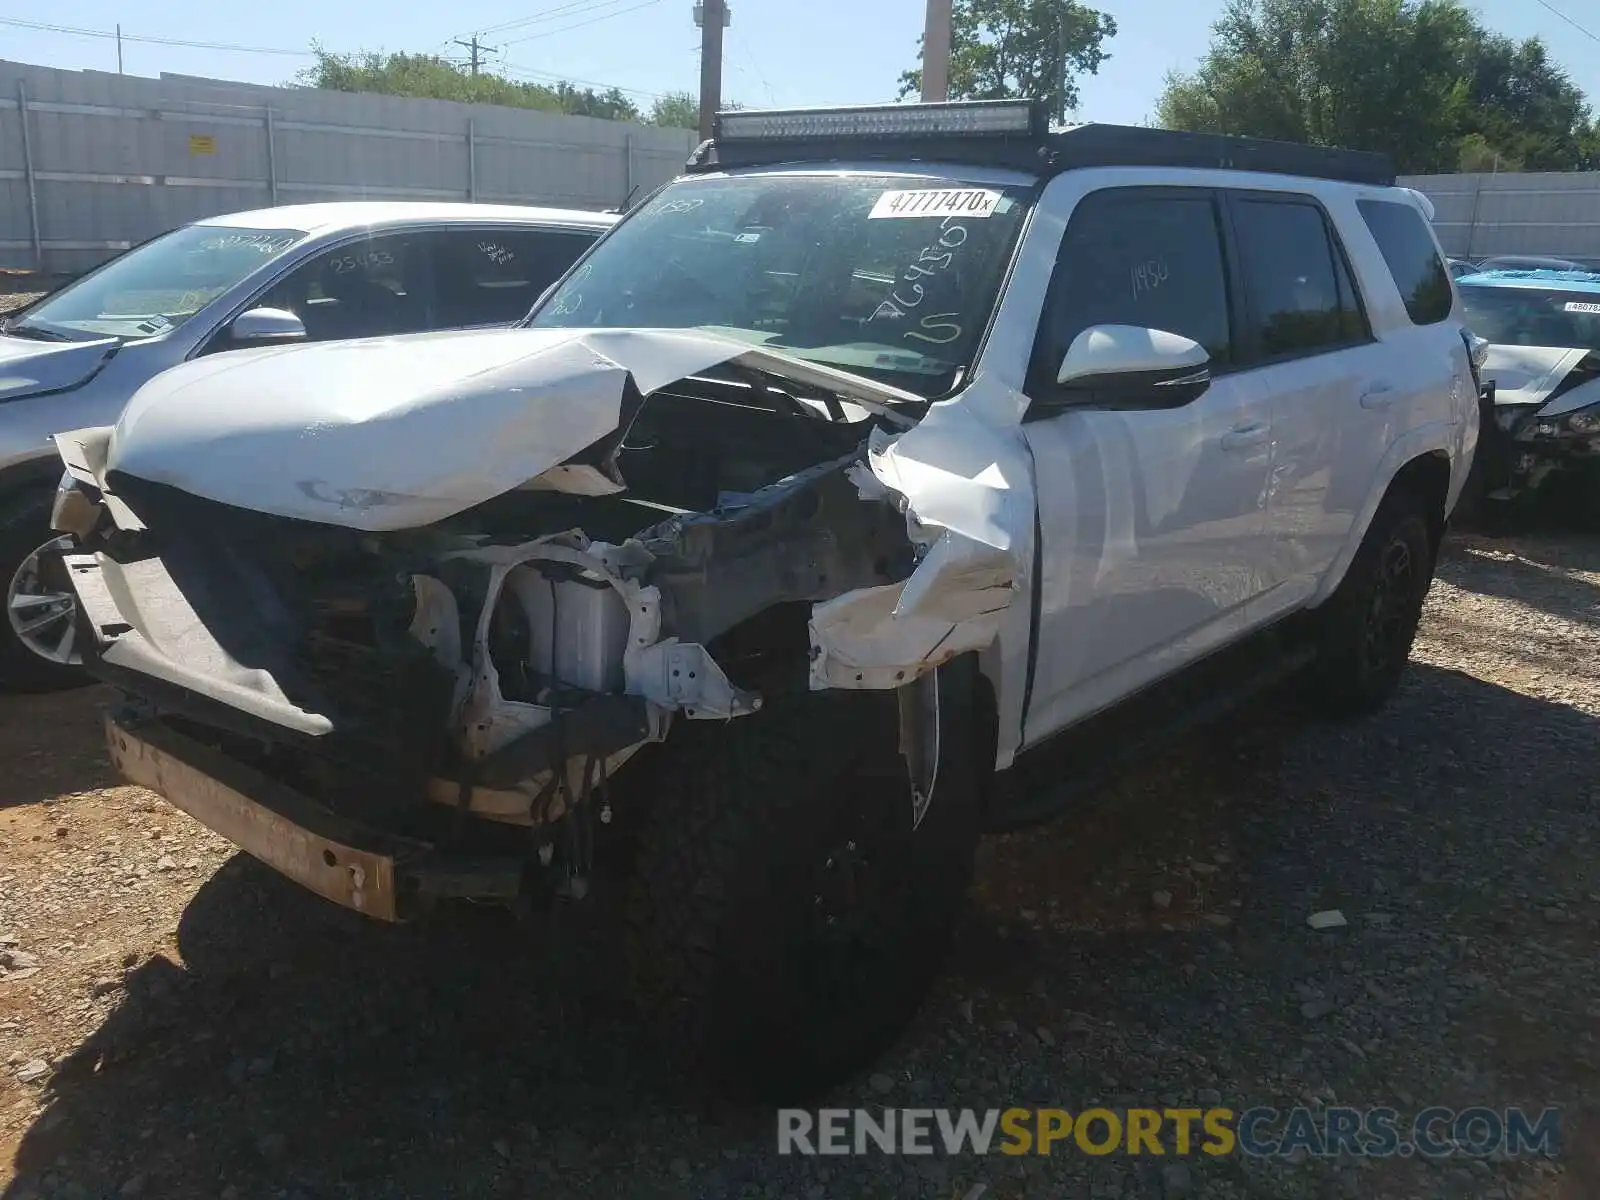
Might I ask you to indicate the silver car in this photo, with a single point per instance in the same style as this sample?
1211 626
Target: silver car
310 272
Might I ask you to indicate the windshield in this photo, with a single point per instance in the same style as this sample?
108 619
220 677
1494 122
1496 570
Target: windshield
158 286
888 276
1523 316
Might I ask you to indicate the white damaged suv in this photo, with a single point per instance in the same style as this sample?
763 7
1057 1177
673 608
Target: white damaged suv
881 454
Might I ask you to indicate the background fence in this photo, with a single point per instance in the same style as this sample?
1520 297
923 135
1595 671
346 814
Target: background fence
91 162
1549 213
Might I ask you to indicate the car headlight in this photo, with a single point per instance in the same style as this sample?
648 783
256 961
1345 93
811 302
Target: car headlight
1585 421
75 510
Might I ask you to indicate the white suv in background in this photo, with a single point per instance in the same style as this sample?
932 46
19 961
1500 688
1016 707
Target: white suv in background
881 455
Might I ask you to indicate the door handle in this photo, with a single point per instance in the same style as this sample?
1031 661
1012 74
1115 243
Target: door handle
1379 396
1242 437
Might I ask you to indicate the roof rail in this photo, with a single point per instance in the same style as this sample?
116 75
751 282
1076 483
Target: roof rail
1008 134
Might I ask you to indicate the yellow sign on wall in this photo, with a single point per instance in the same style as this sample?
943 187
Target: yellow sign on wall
202 143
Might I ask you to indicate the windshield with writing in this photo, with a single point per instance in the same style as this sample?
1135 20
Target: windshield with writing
158 286
888 276
1523 316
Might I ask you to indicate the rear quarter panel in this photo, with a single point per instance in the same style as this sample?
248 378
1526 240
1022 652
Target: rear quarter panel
1434 405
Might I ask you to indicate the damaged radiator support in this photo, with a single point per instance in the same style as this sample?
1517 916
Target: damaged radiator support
584 650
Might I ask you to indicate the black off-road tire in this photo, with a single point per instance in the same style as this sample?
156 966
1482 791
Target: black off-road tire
24 527
1365 631
739 859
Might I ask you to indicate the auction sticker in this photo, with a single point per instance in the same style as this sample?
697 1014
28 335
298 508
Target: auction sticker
1583 306
936 202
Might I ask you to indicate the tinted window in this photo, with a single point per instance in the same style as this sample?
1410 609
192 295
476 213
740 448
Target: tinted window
1138 258
365 288
1301 296
1407 246
493 276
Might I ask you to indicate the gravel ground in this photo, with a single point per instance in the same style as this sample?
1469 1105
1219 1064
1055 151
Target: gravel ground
176 1021
14 300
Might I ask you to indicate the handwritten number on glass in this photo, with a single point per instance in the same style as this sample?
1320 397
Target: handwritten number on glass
263 242
364 260
1148 276
932 261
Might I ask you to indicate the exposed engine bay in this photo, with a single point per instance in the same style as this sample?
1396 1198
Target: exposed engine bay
505 661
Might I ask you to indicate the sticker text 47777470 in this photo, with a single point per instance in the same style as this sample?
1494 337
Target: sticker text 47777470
936 202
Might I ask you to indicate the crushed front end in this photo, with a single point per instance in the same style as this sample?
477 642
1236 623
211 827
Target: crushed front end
1542 429
392 713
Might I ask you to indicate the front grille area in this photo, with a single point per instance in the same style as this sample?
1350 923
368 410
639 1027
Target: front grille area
325 611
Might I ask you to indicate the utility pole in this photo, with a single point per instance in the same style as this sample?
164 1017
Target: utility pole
476 50
936 52
712 16
1061 79
119 48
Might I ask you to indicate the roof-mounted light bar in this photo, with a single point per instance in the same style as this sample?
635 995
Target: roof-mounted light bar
973 118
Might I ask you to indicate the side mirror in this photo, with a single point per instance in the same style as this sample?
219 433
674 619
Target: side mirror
266 327
1125 366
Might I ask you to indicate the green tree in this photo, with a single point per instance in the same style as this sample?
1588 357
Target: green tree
431 77
1420 80
610 104
1524 107
677 110
1037 49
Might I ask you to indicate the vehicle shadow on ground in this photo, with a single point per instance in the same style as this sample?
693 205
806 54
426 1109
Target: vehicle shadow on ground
1530 568
301 1045
1130 908
34 772
301 1051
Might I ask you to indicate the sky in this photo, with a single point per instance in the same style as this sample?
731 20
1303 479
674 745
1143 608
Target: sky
778 52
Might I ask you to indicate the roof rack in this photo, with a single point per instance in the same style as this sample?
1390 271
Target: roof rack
1005 133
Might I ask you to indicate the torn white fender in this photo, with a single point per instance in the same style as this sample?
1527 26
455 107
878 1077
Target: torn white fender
672 676
883 637
965 488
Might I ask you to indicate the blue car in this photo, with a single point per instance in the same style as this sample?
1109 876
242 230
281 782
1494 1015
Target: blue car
1543 329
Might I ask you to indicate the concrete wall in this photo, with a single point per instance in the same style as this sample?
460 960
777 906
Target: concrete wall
110 160
1551 213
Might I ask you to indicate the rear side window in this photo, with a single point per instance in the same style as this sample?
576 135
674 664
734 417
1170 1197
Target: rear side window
1407 246
1138 257
493 276
1302 300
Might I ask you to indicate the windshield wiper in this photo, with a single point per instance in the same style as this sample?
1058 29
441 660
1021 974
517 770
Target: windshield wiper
17 329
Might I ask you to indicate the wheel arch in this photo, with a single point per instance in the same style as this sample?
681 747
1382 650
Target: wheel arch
1417 466
28 473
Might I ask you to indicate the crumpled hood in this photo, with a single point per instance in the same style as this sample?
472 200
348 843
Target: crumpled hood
399 432
33 368
1528 374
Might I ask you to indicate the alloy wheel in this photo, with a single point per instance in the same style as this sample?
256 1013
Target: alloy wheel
41 607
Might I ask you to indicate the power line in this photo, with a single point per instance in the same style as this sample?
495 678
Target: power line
77 31
744 48
1586 33
594 83
580 24
548 14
